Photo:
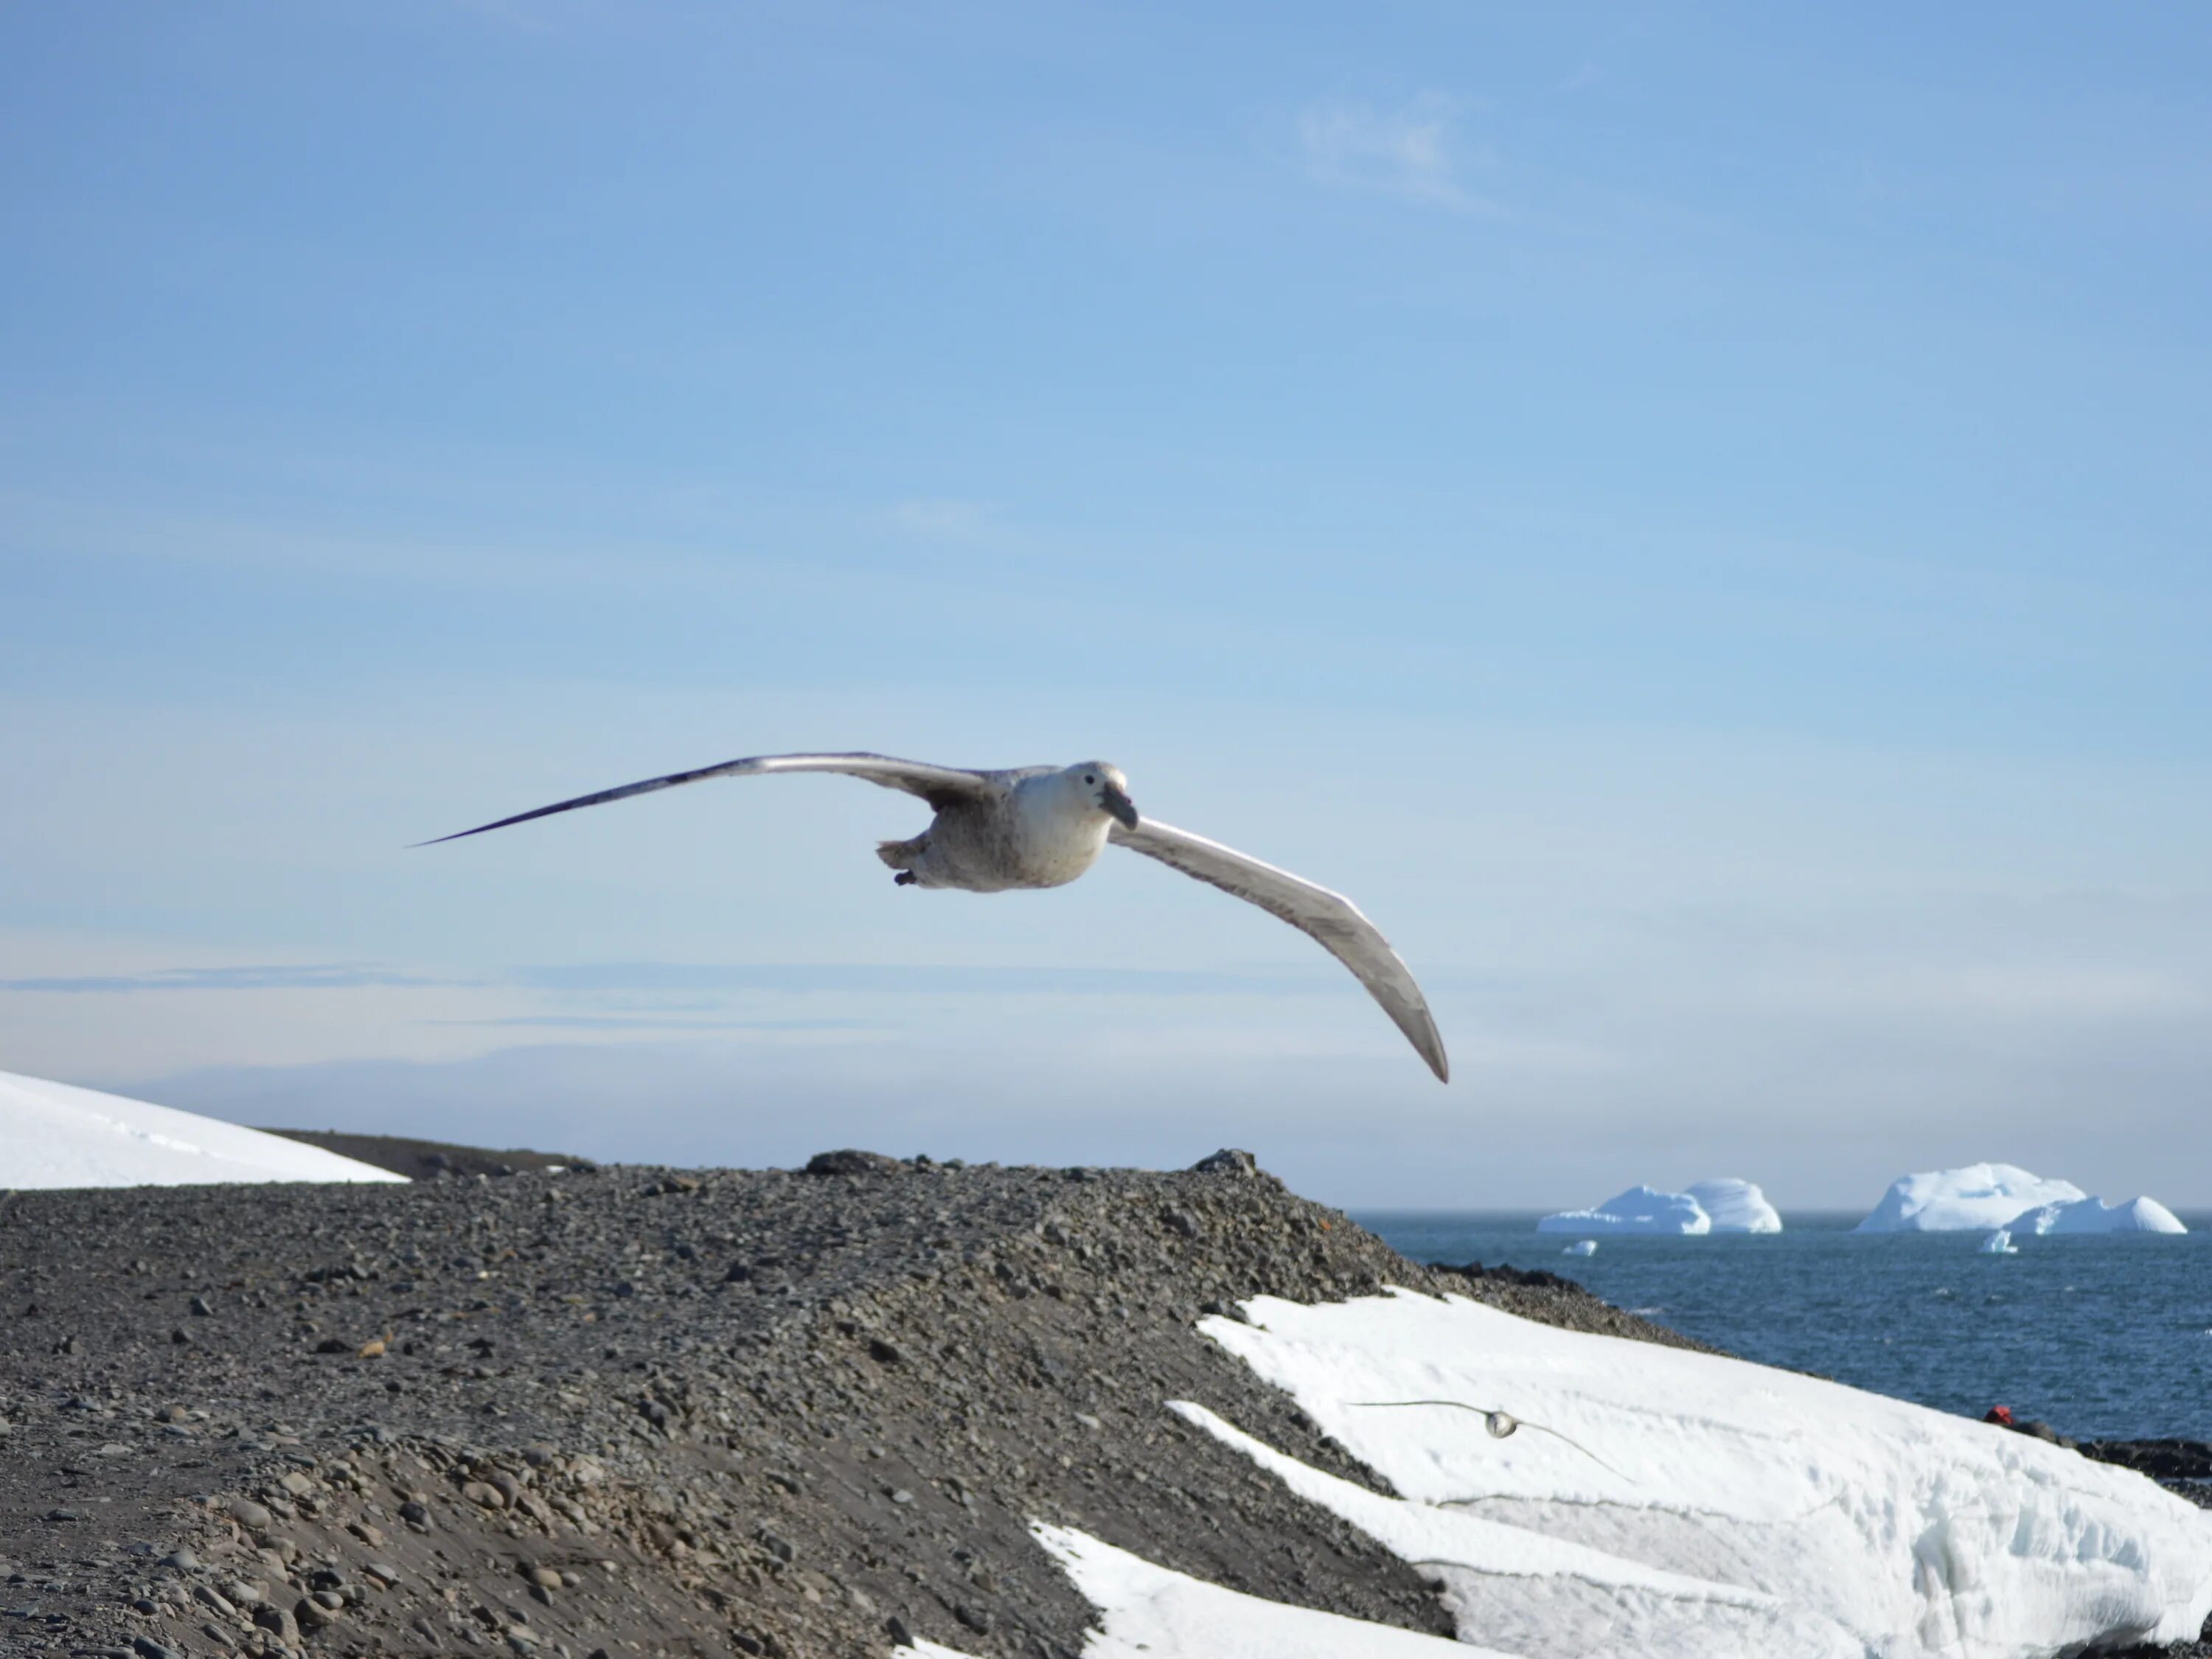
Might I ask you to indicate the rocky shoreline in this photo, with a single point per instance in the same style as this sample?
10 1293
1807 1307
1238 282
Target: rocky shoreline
628 1410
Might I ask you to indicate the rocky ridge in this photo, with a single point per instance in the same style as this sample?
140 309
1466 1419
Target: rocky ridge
642 1411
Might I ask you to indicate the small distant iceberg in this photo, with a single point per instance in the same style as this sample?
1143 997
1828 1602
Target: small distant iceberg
1709 1206
1581 1247
1991 1197
2094 1215
2000 1244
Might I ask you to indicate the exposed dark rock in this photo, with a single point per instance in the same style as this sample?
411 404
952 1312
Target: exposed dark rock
427 1160
2161 1460
851 1161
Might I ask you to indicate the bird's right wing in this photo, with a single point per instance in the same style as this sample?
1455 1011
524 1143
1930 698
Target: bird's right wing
940 786
1331 918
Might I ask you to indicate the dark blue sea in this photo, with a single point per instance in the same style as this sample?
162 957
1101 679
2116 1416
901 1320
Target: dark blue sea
2100 1337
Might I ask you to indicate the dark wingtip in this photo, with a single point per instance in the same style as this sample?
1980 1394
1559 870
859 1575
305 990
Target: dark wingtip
462 835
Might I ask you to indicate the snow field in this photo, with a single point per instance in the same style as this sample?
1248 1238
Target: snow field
1683 1503
1657 1503
55 1134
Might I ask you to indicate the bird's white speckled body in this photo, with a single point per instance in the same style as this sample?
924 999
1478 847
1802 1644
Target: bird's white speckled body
1046 829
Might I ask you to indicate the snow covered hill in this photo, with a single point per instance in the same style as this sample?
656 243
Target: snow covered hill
55 1134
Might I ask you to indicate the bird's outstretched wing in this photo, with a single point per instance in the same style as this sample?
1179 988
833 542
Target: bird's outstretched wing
1333 919
940 786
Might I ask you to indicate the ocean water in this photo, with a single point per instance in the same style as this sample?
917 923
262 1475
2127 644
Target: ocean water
2100 1337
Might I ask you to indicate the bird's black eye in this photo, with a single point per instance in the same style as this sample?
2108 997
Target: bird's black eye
1087 778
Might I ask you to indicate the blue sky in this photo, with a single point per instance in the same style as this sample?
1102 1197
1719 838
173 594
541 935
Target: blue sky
1695 520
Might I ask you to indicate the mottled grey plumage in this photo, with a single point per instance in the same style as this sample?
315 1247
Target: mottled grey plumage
1043 826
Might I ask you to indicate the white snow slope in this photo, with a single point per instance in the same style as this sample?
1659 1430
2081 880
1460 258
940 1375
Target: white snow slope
1655 1504
1638 1210
1660 1503
1983 1196
54 1134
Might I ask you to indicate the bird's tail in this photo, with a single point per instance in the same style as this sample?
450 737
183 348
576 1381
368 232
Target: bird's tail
900 854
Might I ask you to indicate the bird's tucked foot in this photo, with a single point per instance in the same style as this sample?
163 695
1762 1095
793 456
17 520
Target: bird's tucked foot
905 878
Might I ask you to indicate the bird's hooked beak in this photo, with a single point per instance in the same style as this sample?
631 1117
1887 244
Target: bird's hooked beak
1118 805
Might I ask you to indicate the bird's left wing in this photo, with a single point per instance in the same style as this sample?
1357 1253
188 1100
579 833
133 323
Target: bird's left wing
1331 918
940 786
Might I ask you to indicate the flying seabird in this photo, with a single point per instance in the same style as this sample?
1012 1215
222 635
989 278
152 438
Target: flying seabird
1042 826
1502 1424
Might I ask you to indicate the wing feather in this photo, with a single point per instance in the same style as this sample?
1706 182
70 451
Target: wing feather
1332 918
940 786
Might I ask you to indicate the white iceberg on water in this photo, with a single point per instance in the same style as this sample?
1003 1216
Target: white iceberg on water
1638 1210
1736 1207
2094 1215
1709 1206
1581 1247
55 1134
1981 1197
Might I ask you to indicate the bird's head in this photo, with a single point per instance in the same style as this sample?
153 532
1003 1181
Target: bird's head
1102 787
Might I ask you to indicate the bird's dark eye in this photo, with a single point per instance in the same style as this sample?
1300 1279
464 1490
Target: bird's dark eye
1087 778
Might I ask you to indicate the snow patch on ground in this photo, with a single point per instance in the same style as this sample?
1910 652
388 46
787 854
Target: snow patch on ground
1660 1502
54 1134
1162 1614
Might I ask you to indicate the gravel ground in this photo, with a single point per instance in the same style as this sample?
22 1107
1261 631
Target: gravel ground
650 1411
629 1411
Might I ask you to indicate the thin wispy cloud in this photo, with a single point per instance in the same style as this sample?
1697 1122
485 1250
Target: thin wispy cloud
662 979
646 1022
1412 152
303 976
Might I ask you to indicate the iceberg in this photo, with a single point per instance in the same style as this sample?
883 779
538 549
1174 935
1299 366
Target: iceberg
1581 1247
1736 1206
1979 1197
1638 1210
55 1134
1727 1206
2094 1215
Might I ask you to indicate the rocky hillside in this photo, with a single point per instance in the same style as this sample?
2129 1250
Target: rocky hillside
633 1410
